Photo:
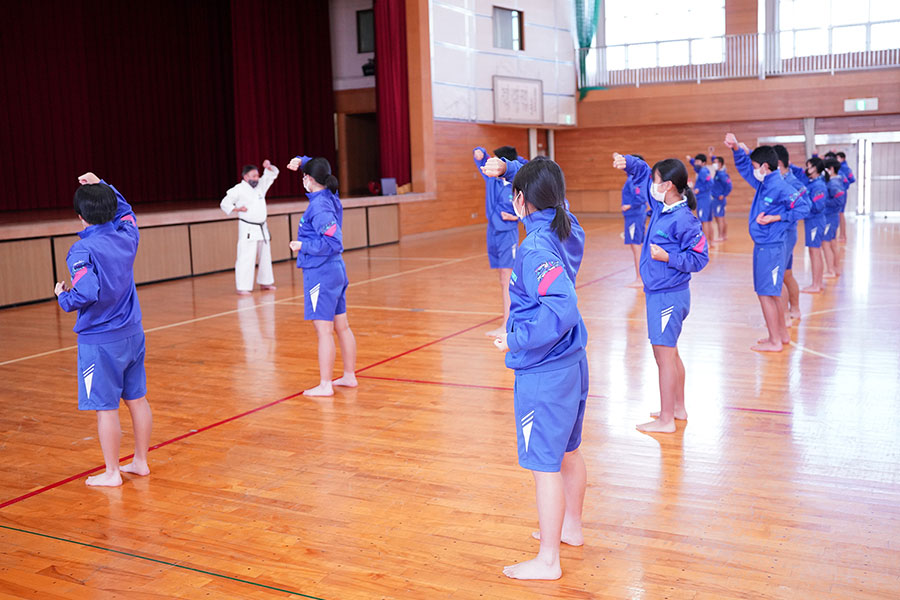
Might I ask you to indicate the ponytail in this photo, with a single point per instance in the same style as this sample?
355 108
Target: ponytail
562 224
691 198
331 182
320 169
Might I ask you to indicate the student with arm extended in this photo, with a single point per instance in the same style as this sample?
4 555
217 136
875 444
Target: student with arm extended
720 191
847 179
703 192
814 223
799 209
634 207
836 199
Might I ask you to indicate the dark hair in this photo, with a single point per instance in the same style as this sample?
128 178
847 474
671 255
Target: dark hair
95 203
818 164
701 157
672 169
830 154
247 169
765 155
720 160
543 185
507 152
783 154
639 157
840 155
833 163
320 169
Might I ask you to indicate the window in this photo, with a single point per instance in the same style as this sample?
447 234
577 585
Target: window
509 29
662 33
365 31
817 27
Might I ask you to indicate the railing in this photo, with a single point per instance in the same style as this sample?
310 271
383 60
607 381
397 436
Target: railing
793 52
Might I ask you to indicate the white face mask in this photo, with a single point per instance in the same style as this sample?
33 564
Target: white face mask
657 195
306 184
516 209
760 176
714 167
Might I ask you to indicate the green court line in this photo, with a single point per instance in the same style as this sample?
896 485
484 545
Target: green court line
155 560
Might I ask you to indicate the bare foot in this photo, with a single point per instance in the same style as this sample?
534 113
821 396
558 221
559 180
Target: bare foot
637 283
105 479
268 288
136 468
812 289
243 293
680 414
348 380
830 275
534 569
570 536
657 427
767 345
495 332
795 314
323 389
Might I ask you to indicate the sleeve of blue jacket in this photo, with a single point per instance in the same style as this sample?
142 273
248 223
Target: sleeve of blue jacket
125 219
727 186
704 181
641 177
331 238
800 174
694 251
480 163
512 167
847 173
835 192
799 207
744 166
547 282
85 284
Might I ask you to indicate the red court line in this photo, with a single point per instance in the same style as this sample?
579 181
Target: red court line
607 276
193 432
760 410
451 384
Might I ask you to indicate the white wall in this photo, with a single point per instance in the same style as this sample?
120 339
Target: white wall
464 60
346 63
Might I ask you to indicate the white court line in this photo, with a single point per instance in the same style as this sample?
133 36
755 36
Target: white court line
253 307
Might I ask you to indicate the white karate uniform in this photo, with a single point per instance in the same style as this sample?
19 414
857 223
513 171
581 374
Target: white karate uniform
253 233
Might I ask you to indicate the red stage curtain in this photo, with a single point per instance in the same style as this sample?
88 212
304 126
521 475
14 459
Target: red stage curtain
392 89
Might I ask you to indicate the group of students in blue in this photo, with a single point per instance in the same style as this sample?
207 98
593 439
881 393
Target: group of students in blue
111 346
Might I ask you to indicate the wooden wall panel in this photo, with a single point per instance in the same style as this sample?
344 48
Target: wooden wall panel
26 270
460 189
741 16
61 245
355 101
355 229
384 224
295 225
214 246
280 230
164 253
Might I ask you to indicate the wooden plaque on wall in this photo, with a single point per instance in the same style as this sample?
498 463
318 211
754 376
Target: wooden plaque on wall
518 100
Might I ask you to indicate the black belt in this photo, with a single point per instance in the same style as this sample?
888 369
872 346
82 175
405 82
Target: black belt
262 227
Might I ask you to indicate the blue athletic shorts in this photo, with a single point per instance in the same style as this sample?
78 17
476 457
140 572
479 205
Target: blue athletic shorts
111 372
718 208
325 291
634 230
789 245
831 226
501 247
704 209
768 268
814 227
549 407
666 312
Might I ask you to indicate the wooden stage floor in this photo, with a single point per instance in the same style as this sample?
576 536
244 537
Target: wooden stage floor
784 484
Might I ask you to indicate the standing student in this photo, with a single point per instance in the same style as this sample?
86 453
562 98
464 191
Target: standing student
814 224
675 247
248 199
703 193
109 326
837 195
771 202
634 208
720 191
319 248
545 342
847 179
799 209
503 225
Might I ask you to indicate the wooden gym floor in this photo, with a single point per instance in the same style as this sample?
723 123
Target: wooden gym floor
784 484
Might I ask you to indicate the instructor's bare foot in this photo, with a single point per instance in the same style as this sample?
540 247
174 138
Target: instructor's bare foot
657 427
680 414
812 289
570 535
495 332
348 380
105 479
830 275
534 569
767 345
136 468
637 283
323 389
268 288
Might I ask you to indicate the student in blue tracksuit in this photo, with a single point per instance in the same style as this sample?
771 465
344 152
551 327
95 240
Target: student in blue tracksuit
545 342
109 327
502 227
720 191
847 178
634 210
674 247
800 173
703 193
319 248
799 209
814 224
837 197
768 229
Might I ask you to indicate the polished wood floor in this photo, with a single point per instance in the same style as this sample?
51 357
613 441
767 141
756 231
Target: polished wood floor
784 484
